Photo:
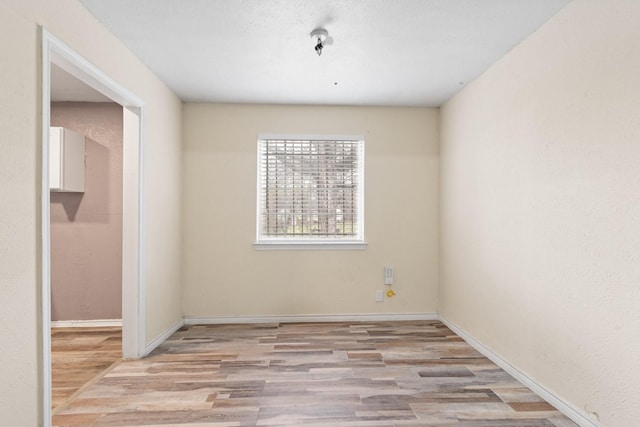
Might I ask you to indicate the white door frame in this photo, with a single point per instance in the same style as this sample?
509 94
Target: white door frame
54 51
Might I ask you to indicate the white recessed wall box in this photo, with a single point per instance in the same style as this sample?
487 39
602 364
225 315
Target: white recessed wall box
66 160
388 275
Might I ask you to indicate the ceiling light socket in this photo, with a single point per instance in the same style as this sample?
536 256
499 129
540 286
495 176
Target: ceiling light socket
319 33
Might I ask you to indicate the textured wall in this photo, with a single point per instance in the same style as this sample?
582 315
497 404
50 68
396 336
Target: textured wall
540 208
20 173
86 228
225 276
19 216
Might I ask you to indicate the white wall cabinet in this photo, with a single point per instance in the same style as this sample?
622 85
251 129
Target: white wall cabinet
66 160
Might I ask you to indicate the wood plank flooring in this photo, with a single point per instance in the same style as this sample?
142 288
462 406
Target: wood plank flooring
78 355
316 374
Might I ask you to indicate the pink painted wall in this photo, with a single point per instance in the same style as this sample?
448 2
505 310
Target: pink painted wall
86 228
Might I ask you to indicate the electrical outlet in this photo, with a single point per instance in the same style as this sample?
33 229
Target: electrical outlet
379 296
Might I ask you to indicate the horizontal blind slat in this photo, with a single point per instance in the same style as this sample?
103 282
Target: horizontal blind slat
310 188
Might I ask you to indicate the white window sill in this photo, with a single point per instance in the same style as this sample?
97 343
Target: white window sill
280 245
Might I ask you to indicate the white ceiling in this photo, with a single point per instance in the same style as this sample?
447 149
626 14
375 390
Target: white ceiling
385 52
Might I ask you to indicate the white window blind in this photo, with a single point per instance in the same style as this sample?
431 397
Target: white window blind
310 189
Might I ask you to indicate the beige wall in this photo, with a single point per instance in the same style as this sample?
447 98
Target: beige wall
223 275
540 208
20 186
86 228
19 243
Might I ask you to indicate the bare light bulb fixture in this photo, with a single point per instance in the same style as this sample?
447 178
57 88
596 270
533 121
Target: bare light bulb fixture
321 36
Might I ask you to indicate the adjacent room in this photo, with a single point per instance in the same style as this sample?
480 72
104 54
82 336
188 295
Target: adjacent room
337 213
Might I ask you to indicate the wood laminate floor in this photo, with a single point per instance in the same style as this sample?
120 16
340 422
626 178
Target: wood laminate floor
78 355
316 374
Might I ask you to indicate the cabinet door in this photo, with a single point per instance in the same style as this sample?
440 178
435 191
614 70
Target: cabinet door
55 159
66 160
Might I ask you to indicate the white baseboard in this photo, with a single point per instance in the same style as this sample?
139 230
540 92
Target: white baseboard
98 323
194 320
163 336
576 415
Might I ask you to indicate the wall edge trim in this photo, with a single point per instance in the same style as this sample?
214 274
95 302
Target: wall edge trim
212 320
576 415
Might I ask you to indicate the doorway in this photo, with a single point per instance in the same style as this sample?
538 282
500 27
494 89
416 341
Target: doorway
85 238
57 53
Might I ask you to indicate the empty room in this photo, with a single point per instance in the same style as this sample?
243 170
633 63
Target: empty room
330 213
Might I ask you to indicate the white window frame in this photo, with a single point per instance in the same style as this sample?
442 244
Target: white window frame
310 243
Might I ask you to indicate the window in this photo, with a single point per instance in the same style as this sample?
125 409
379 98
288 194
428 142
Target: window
310 192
